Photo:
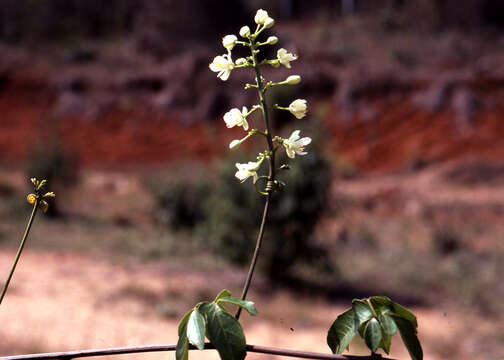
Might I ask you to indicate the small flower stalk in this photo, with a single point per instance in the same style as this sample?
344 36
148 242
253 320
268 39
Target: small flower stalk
39 199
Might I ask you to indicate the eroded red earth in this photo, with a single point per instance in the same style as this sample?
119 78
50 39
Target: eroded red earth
400 134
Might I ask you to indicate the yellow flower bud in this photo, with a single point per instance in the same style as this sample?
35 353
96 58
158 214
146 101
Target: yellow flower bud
31 198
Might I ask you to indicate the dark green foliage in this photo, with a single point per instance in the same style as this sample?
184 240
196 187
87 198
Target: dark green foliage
179 201
233 213
376 320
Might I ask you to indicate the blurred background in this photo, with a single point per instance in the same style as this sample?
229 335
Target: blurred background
402 193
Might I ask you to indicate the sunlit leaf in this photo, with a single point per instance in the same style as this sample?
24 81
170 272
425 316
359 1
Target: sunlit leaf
409 337
224 332
373 334
342 331
247 305
196 328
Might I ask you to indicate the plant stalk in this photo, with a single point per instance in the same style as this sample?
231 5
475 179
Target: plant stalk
20 249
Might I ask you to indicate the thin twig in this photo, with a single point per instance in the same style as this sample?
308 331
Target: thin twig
161 348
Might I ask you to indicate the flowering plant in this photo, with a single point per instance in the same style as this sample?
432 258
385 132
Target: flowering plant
377 318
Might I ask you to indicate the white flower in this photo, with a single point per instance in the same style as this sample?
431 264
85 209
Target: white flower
223 64
235 117
234 144
272 40
293 80
285 58
229 41
261 16
269 23
241 61
247 170
294 145
298 108
244 31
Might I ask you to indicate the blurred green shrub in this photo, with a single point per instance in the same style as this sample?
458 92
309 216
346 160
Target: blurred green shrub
179 200
51 161
233 212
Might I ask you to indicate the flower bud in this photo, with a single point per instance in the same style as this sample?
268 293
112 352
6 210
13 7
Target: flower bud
244 31
293 80
269 23
31 198
272 40
234 144
241 61
229 41
261 17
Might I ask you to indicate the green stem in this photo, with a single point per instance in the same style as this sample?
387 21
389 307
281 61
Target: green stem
20 249
271 175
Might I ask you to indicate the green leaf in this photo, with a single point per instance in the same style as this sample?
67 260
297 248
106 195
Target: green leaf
183 322
247 305
182 349
405 314
223 294
388 324
385 343
373 334
381 301
196 329
224 332
409 337
342 331
362 311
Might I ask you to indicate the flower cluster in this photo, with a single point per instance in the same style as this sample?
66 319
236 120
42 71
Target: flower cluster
40 197
223 65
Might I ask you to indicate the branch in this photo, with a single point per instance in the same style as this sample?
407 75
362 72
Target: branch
159 348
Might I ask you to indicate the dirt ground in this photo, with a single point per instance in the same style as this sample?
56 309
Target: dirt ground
60 301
